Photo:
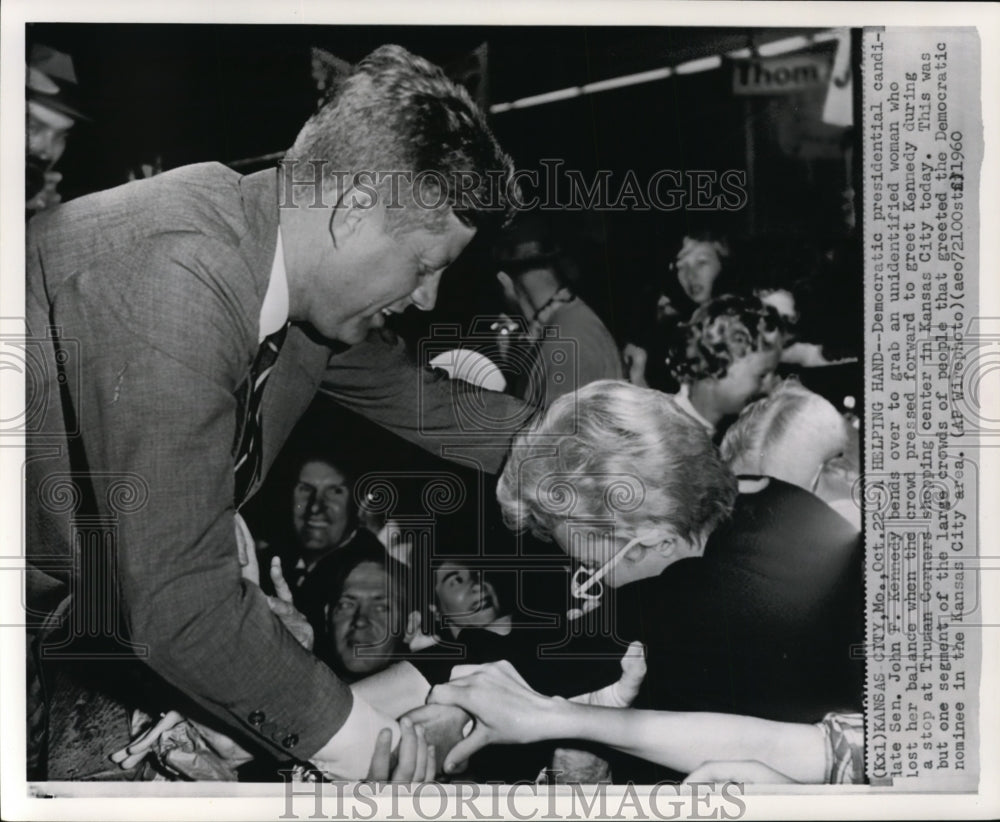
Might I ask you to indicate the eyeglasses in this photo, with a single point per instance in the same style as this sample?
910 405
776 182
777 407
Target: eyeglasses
584 579
836 475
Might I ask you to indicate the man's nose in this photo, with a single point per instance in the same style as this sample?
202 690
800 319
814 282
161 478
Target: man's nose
424 297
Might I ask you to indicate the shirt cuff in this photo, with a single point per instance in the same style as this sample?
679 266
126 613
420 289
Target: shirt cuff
395 691
349 752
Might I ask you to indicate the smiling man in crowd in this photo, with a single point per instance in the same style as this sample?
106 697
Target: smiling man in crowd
324 524
186 322
323 513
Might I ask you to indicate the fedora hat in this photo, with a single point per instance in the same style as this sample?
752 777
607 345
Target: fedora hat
51 81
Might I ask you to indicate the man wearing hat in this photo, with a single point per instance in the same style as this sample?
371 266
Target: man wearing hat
52 111
565 344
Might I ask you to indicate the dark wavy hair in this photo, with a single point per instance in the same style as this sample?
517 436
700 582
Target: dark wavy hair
723 330
397 112
728 280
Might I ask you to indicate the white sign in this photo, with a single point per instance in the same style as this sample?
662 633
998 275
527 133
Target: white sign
781 75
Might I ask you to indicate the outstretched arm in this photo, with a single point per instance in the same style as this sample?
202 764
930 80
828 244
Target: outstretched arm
508 711
451 418
686 741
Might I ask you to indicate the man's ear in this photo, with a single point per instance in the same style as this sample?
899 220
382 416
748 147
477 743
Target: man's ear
680 547
653 540
667 544
353 207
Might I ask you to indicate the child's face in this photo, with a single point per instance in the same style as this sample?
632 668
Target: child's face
464 597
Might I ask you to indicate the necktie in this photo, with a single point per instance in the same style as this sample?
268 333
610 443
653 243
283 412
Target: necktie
248 454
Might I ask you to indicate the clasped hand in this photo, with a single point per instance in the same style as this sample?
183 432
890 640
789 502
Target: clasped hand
508 710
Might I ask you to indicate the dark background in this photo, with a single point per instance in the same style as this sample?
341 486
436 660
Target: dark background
191 93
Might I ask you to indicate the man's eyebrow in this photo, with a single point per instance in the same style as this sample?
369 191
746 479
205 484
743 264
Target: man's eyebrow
366 596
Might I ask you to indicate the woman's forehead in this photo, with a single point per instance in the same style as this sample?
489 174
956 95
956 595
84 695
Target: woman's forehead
319 471
697 249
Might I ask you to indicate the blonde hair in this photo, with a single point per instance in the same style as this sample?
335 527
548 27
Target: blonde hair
764 424
612 450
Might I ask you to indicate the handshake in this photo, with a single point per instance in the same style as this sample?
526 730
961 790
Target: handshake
484 705
437 729
481 705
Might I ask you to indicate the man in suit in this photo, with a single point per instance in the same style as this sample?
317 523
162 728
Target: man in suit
152 306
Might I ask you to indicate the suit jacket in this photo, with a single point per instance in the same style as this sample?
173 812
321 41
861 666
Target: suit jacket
143 307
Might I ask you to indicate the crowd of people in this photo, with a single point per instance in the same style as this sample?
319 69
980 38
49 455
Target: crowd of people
704 500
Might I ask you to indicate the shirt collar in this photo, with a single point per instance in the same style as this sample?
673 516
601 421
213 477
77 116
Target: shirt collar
683 399
274 310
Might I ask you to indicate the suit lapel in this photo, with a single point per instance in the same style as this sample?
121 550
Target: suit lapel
301 363
290 388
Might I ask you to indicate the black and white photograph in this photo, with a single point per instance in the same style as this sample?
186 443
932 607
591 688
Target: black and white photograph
524 416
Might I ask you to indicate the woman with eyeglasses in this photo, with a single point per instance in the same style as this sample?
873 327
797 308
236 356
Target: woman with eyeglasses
797 436
747 593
